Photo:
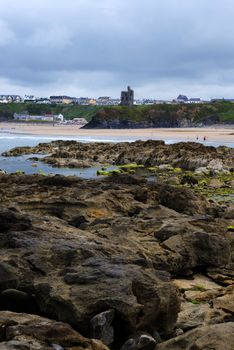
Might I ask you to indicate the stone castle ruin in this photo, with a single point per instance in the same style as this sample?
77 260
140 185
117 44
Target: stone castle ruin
127 97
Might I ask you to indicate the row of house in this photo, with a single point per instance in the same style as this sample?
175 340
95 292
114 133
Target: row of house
51 118
100 101
10 99
185 99
39 118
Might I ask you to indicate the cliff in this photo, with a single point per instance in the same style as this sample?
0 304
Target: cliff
162 116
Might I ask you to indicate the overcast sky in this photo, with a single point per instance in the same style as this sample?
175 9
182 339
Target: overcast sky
98 47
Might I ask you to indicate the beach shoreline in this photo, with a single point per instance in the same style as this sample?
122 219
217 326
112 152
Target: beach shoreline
184 134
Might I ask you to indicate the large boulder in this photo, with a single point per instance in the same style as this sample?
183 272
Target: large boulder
32 332
215 337
73 275
197 249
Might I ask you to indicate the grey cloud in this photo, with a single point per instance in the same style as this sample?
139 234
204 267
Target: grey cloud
116 42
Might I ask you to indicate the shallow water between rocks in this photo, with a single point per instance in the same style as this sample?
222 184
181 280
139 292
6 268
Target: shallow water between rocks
24 164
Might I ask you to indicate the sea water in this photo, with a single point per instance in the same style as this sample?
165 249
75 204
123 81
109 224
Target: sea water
23 163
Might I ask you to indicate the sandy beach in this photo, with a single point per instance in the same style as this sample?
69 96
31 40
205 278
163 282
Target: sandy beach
185 134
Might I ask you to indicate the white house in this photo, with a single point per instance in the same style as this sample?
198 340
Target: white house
10 99
46 118
194 100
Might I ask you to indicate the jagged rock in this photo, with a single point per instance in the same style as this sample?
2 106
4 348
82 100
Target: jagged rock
194 314
182 200
18 301
12 220
216 337
83 282
186 155
24 331
57 347
198 249
101 327
171 228
216 165
197 282
139 342
82 247
226 302
215 183
178 332
202 170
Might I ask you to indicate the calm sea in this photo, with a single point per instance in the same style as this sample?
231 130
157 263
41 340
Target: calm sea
13 164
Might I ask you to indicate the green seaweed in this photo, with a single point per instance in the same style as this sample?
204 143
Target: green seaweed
199 288
41 172
177 170
103 173
152 169
194 301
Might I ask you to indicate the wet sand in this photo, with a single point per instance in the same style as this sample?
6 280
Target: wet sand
185 134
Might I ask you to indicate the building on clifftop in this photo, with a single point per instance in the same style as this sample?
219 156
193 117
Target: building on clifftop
127 97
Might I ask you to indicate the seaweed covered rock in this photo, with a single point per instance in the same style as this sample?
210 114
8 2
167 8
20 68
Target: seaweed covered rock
150 153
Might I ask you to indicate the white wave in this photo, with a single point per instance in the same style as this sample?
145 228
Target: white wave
17 139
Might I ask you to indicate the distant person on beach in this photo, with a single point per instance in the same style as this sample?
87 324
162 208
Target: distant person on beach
204 138
197 138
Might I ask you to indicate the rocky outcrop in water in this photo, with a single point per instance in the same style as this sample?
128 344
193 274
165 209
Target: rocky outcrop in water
136 264
186 155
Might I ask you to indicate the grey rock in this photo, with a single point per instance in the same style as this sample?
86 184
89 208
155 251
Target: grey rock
178 332
140 342
57 347
101 327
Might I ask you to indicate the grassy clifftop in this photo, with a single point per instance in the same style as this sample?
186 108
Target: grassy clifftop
163 115
69 111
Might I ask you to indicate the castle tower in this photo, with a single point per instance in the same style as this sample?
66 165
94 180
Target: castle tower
127 97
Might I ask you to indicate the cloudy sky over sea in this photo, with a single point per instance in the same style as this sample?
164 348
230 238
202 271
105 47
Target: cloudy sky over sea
98 47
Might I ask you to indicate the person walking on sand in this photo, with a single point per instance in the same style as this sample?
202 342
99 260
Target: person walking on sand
204 138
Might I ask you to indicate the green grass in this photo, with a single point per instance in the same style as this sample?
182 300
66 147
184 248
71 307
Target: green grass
69 111
218 111
197 113
227 116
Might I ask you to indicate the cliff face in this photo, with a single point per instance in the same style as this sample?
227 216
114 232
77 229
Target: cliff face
115 119
158 116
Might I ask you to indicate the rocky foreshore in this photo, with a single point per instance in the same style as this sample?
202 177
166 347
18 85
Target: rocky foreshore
120 262
186 155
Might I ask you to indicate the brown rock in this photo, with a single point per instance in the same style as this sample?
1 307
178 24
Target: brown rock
34 332
216 337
